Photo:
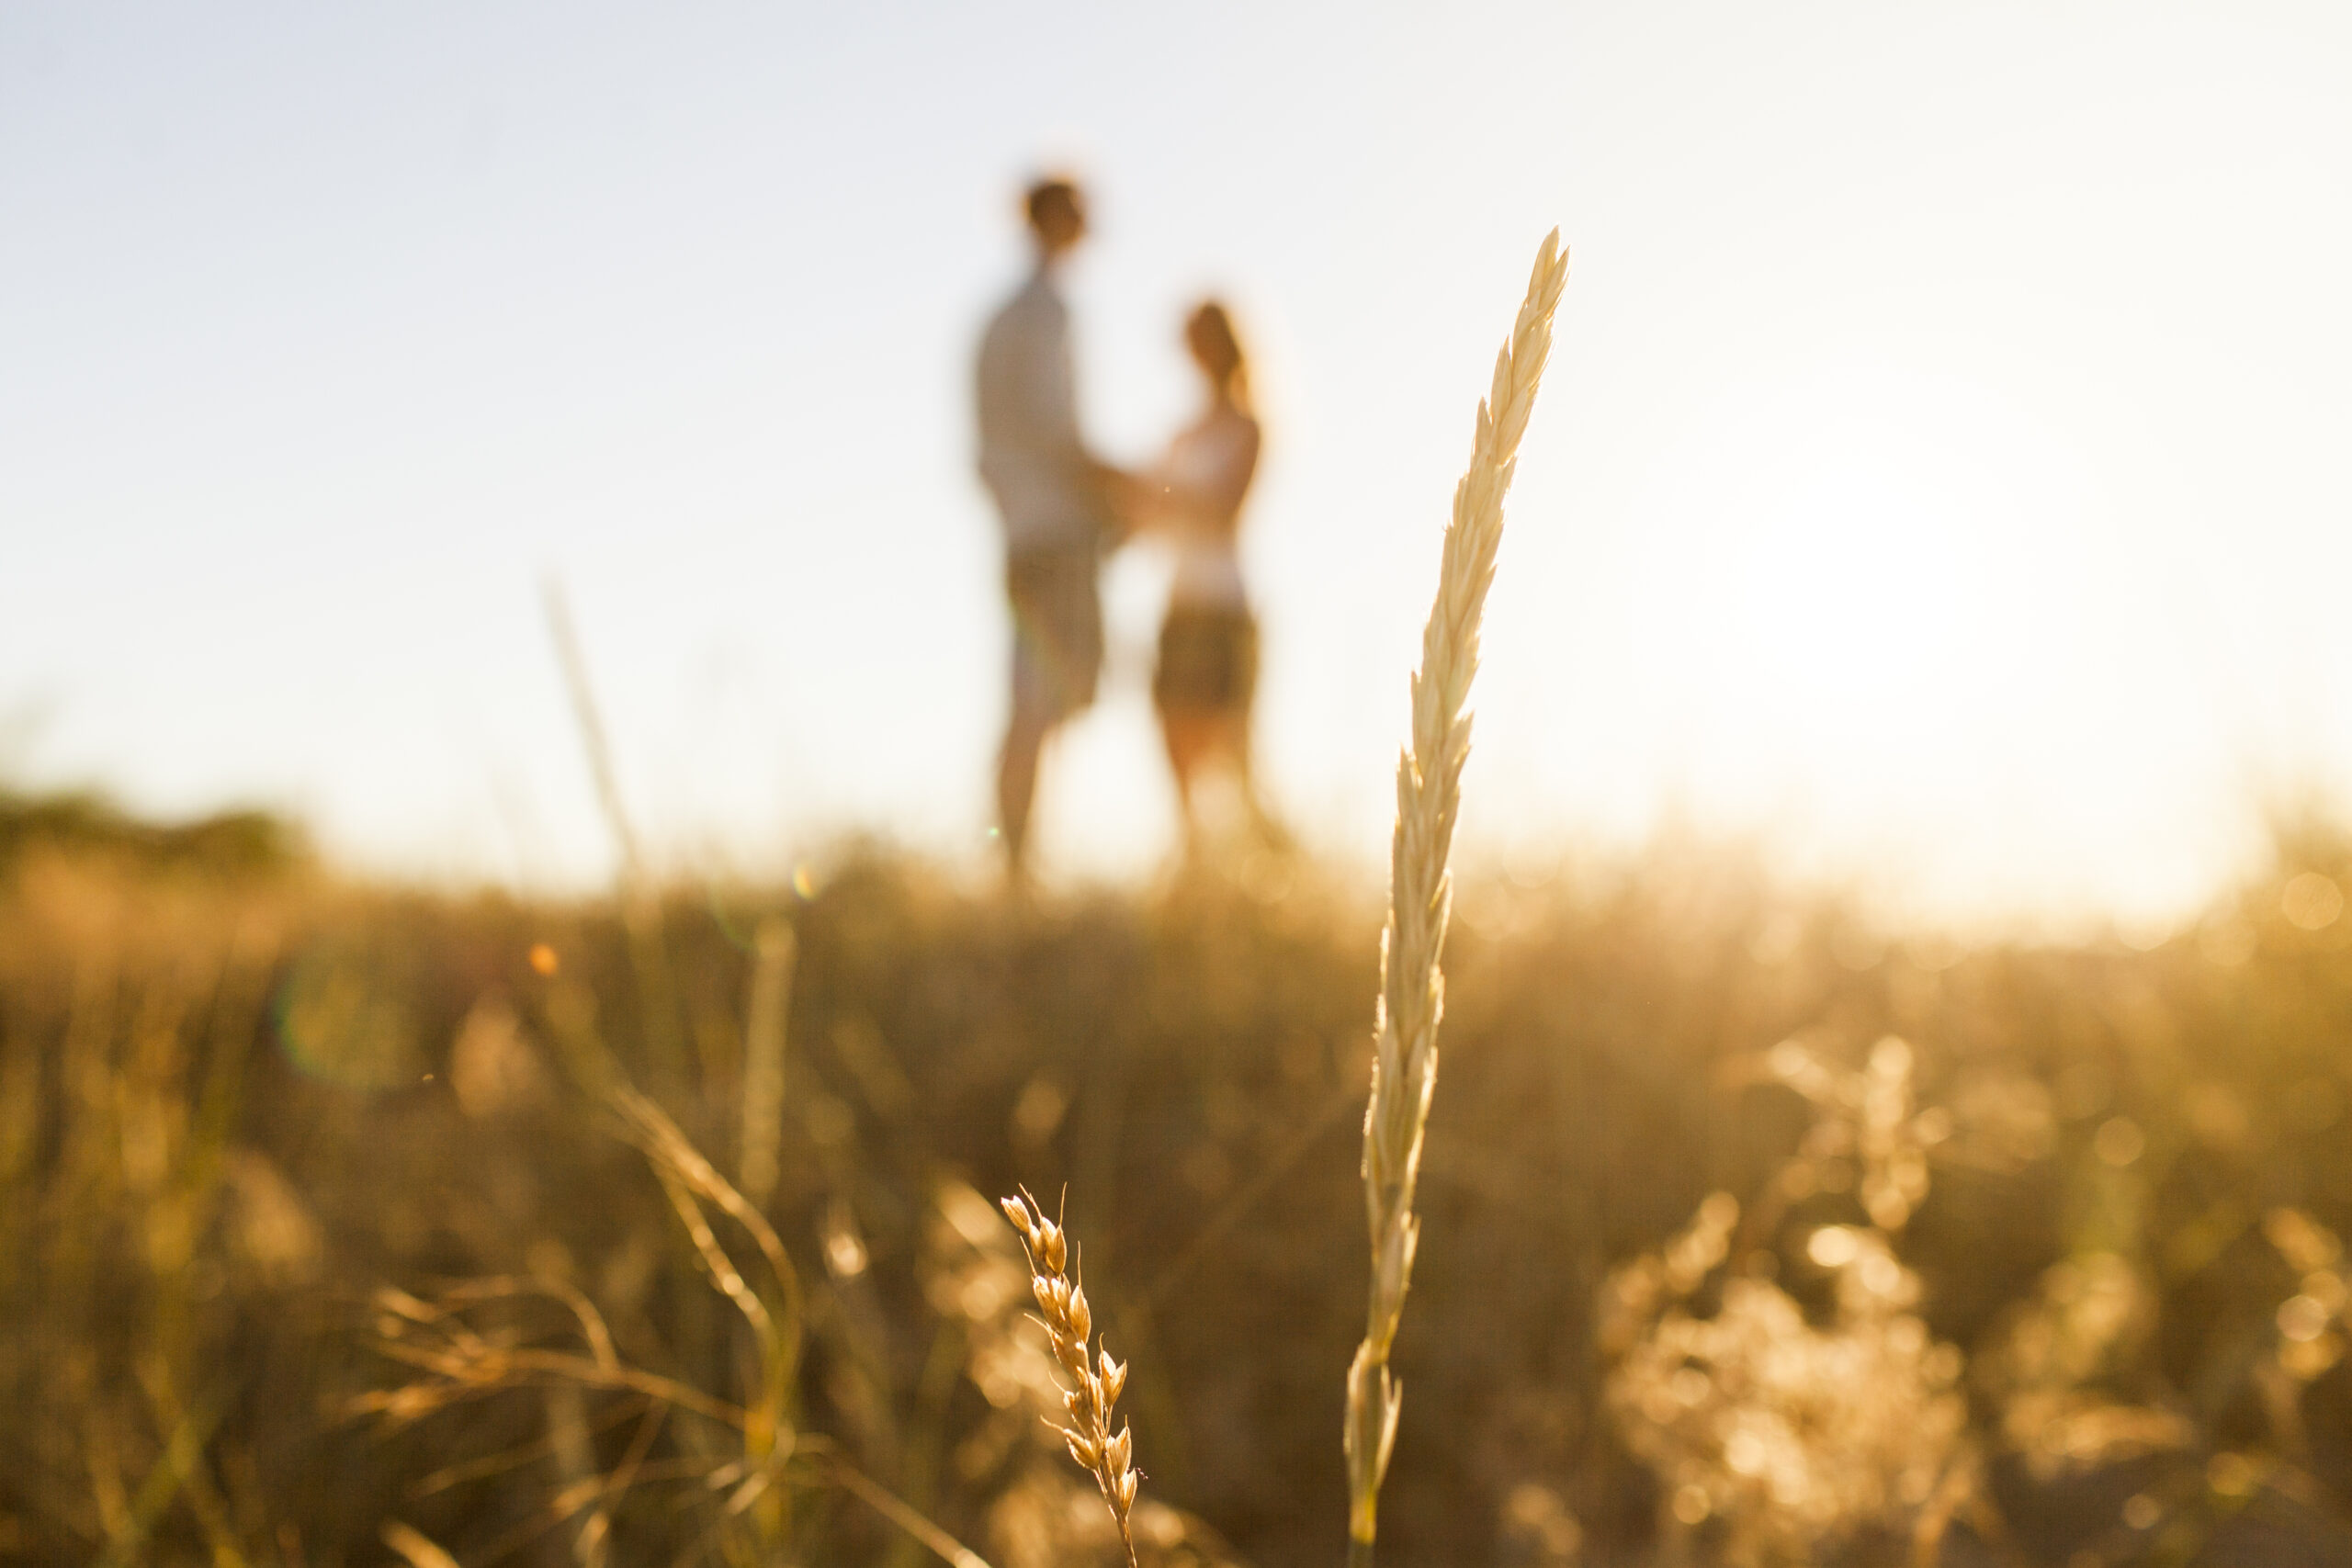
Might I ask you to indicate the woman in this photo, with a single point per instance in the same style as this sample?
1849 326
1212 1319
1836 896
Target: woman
1208 645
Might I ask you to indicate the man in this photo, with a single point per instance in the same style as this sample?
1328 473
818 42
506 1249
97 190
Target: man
1055 502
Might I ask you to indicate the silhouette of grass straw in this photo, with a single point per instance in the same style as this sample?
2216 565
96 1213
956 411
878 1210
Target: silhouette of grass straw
1429 795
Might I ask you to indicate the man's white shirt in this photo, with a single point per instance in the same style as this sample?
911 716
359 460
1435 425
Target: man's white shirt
1032 458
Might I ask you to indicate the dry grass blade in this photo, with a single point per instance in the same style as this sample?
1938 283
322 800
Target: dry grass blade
521 1455
641 898
591 733
1429 795
179 1461
1095 1387
460 1361
887 1504
713 1257
764 1048
503 1287
676 1160
417 1548
460 1365
689 1179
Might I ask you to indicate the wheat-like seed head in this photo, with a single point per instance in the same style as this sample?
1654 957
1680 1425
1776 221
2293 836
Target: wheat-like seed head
1429 795
1093 1388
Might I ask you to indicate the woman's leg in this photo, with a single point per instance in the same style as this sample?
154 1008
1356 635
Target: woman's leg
1181 732
1234 741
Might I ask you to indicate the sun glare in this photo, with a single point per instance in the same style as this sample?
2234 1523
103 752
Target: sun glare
1893 612
1856 594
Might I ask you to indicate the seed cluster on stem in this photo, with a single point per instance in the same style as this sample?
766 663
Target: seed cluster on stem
1094 1389
1429 795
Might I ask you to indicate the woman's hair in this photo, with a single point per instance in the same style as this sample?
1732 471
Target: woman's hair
1208 333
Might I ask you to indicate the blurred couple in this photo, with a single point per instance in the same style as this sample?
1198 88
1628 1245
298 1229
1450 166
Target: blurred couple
1064 511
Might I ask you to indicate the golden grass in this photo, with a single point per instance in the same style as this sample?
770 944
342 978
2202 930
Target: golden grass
229 1109
459 1362
1094 1386
1791 1439
1429 797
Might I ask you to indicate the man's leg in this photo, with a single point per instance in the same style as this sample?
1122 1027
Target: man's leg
1056 651
1016 785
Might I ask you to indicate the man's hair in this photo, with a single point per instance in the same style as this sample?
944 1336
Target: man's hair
1050 195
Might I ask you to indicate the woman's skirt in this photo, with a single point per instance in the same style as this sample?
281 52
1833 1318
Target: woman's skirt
1208 659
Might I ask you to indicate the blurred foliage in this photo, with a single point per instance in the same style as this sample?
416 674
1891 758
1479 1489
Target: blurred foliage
2019 1255
231 843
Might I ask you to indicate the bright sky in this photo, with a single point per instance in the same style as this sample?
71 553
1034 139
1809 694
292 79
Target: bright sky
1943 471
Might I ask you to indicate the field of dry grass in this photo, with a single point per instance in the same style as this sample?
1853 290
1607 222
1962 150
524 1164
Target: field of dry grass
1749 1234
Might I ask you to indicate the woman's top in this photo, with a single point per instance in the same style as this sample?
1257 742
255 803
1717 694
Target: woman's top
1200 487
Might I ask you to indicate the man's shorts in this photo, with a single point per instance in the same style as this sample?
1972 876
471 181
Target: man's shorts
1056 628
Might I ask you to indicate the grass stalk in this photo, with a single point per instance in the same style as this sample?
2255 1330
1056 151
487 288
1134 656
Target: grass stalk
1094 1386
763 1059
1429 797
641 898
592 739
689 1180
